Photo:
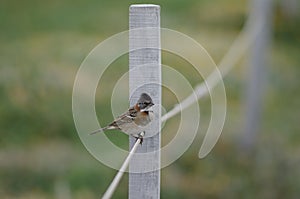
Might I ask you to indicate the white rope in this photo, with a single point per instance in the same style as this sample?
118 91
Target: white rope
235 52
112 187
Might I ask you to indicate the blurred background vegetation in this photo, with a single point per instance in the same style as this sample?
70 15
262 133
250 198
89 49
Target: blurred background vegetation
42 44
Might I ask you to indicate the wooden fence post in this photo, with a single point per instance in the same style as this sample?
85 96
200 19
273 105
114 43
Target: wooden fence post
145 76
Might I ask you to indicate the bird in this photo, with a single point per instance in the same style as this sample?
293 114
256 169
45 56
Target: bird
134 120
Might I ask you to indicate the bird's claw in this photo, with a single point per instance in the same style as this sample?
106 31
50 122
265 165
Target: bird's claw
140 136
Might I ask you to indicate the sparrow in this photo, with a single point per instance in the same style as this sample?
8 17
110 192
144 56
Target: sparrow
133 121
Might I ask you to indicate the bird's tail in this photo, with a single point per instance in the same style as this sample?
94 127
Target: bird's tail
99 130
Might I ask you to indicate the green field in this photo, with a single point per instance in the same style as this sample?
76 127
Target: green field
43 43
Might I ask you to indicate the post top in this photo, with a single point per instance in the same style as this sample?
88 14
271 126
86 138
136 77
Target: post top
144 6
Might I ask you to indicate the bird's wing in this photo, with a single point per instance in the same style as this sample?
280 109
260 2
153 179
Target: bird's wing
129 115
132 112
126 117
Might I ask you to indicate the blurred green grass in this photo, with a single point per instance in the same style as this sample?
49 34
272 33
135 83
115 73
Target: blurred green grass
42 44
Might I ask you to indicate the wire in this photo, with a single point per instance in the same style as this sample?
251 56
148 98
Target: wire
240 45
112 187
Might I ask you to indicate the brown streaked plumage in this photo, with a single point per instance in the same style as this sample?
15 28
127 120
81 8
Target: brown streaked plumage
132 121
